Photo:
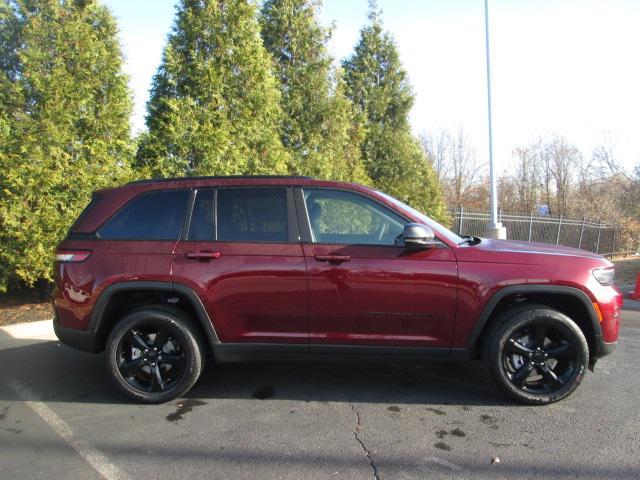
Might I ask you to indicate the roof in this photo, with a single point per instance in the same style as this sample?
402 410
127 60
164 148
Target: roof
220 177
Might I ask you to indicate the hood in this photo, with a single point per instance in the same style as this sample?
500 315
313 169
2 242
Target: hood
521 252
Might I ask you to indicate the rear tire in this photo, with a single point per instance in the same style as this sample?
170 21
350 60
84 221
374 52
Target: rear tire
536 355
154 354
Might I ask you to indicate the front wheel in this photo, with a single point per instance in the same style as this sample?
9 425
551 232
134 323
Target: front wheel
536 355
154 354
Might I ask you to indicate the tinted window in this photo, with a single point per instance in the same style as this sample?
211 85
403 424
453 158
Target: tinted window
201 228
342 217
252 215
151 216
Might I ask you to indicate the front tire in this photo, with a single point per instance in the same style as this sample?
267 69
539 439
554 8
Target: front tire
154 354
536 355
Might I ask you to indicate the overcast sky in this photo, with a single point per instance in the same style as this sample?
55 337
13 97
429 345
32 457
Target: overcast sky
559 66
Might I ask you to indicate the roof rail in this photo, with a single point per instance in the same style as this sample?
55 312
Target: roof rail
216 177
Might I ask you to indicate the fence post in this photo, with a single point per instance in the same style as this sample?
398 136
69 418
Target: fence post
598 241
530 224
461 210
584 219
613 240
559 228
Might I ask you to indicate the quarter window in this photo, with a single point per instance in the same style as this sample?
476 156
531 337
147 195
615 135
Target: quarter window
346 218
156 215
252 215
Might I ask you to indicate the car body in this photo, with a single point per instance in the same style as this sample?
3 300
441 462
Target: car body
275 266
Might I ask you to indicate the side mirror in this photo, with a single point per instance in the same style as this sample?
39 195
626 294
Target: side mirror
418 236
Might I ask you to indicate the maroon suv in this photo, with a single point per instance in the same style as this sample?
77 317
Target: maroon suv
155 273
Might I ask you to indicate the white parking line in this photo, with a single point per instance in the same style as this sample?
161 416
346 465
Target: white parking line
87 451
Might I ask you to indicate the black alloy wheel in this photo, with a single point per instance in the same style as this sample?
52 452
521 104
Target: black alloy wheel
536 355
155 354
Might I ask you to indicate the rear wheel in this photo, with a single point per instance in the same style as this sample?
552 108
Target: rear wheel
154 354
536 355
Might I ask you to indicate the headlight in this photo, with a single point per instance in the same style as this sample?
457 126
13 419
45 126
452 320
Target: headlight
606 276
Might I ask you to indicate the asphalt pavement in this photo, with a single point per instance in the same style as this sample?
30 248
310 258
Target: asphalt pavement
60 417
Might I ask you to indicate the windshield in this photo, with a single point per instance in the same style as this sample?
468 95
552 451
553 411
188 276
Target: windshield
442 230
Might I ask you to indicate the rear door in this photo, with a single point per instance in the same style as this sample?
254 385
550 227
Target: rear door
241 254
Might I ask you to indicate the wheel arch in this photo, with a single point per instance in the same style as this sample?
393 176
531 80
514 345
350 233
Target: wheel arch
119 298
571 301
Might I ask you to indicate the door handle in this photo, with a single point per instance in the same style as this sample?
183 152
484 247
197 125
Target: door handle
202 255
332 258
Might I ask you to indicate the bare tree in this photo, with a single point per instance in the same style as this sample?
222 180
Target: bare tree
455 162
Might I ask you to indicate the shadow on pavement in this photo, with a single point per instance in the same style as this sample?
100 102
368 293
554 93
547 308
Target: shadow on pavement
56 373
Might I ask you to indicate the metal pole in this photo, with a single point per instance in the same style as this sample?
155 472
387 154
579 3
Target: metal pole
559 228
494 228
584 219
598 241
460 224
613 241
530 224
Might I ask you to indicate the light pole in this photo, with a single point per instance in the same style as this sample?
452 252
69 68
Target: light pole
494 227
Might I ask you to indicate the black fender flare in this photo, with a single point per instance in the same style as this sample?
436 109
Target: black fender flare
203 318
488 309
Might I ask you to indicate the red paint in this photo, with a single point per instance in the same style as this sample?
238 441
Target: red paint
325 294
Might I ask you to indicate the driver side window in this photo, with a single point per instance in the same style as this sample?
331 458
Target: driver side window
346 218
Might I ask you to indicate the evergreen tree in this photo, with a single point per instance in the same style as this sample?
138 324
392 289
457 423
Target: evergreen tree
64 124
379 87
320 127
215 104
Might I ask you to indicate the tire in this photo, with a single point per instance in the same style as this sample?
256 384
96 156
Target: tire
154 354
536 355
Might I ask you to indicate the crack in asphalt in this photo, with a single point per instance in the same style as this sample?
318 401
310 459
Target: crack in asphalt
367 453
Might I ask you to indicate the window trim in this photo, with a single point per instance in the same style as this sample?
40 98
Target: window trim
304 220
189 191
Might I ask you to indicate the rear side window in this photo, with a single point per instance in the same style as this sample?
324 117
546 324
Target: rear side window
154 215
252 215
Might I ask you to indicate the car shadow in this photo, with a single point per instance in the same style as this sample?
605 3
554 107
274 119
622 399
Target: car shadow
54 372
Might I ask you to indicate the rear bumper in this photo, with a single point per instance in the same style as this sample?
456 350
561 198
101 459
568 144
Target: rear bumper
81 339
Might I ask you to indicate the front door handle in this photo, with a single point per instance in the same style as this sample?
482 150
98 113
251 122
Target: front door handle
202 255
332 258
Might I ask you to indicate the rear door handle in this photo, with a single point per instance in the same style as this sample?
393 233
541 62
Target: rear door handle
332 258
202 255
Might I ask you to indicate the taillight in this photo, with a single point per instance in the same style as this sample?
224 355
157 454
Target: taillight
72 255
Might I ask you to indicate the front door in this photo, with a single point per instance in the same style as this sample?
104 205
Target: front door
364 289
242 256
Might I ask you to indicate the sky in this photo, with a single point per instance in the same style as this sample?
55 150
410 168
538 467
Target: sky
567 67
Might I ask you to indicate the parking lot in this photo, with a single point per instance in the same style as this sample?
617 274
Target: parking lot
60 417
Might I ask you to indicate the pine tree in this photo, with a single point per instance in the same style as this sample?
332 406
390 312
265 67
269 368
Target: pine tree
64 124
215 104
320 126
379 86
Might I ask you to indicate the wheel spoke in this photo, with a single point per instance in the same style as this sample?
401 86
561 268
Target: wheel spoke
520 377
161 338
515 347
136 340
176 361
128 369
562 350
550 377
157 383
539 334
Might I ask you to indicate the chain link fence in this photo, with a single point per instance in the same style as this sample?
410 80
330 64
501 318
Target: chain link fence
596 236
